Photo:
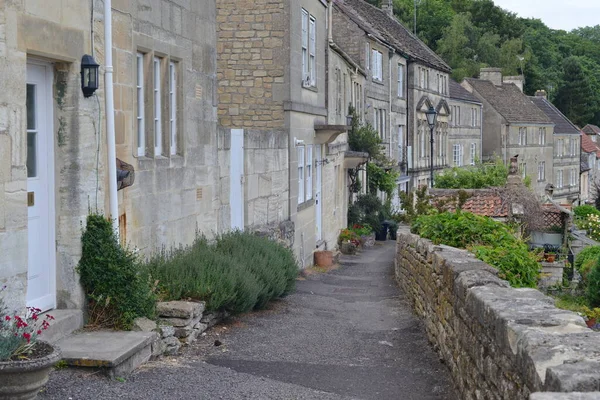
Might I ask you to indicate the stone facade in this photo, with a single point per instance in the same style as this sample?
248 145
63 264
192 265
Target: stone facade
175 190
498 342
464 123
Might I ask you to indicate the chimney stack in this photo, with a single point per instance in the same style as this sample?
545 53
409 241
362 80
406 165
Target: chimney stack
493 75
518 80
541 93
388 7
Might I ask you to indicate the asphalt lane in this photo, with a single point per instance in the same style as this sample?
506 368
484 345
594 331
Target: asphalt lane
346 334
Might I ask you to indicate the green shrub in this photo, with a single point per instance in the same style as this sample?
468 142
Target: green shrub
117 290
492 242
593 286
586 260
475 177
585 210
240 272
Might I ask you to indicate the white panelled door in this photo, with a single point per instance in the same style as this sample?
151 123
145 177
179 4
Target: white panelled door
236 179
41 273
318 201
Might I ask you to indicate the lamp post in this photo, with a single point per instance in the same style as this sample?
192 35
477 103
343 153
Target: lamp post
431 119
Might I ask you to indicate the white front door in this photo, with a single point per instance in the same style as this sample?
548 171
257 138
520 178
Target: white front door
318 201
41 273
236 177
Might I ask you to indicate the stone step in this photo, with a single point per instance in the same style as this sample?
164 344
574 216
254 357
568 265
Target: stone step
64 324
115 353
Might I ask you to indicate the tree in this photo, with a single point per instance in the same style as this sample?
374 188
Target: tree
575 97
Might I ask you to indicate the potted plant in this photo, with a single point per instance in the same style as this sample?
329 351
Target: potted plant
348 241
550 256
365 233
25 361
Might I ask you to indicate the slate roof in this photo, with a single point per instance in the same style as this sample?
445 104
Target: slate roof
485 202
562 125
591 129
588 145
458 92
509 101
377 22
584 164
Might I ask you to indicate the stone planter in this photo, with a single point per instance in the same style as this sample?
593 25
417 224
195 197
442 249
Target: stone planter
323 258
368 240
22 380
348 248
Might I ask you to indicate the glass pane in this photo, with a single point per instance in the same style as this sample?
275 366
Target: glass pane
31 154
31 107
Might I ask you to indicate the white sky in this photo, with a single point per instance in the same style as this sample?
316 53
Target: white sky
557 14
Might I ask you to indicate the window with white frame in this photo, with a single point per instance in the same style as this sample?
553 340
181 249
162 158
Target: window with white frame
573 147
522 136
140 110
377 65
560 148
157 107
400 80
523 169
422 143
473 117
542 171
559 179
368 55
309 43
308 173
457 155
401 156
300 156
473 153
173 105
573 179
542 136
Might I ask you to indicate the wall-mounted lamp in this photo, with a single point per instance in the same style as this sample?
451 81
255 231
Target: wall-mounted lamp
89 75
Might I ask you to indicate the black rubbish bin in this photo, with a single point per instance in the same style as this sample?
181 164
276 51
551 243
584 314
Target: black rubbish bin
383 232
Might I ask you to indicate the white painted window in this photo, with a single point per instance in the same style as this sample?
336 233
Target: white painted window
305 72
401 156
559 179
400 80
312 31
457 155
542 136
542 171
157 108
336 187
300 156
377 65
573 147
422 143
523 169
141 130
560 148
367 55
173 105
573 178
473 153
309 177
523 136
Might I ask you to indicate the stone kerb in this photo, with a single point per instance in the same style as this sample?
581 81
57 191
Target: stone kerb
499 342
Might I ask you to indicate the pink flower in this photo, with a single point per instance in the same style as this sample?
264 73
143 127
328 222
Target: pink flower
7 318
27 336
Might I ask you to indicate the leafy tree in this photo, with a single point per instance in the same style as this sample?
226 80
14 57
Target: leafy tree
476 177
574 98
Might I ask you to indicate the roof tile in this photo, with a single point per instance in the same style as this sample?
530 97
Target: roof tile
562 125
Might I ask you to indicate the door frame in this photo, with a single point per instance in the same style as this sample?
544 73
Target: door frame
48 100
318 149
236 180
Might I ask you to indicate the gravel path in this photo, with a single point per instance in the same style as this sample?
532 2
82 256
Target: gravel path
346 334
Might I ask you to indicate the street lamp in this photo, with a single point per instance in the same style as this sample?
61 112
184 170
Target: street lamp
431 119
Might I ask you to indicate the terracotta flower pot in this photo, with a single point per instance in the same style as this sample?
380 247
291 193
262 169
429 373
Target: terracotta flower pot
23 380
550 257
323 258
591 322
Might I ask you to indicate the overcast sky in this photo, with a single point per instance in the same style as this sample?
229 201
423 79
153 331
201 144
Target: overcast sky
557 14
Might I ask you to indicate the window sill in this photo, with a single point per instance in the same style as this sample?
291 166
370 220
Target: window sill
311 88
305 205
378 81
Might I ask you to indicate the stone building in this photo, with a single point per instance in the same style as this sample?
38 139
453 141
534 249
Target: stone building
514 125
53 144
404 78
465 127
567 150
590 162
273 93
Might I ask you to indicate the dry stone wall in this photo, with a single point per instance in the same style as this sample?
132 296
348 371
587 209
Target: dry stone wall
498 342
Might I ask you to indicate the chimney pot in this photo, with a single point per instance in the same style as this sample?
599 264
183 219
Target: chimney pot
493 75
541 93
388 7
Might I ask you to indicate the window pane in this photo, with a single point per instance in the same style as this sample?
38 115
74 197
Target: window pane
31 154
31 107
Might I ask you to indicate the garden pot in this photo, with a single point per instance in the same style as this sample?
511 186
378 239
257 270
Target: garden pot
22 380
591 322
348 248
368 240
550 257
323 258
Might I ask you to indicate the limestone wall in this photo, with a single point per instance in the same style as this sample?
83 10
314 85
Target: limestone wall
498 342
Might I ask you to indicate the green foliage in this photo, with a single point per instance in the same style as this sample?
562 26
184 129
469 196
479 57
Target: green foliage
415 204
474 177
117 289
367 210
585 210
573 97
238 273
363 138
593 286
492 242
381 179
578 304
586 260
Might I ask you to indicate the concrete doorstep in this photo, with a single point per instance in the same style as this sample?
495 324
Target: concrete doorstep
115 353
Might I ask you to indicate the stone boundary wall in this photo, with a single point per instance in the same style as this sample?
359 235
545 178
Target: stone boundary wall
498 342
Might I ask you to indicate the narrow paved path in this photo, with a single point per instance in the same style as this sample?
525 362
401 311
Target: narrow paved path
347 334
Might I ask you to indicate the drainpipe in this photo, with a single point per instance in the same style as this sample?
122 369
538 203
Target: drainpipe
389 114
110 117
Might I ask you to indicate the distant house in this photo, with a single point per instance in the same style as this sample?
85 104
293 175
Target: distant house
567 160
514 125
465 126
591 130
590 161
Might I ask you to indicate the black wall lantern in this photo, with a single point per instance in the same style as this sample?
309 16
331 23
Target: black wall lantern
89 75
